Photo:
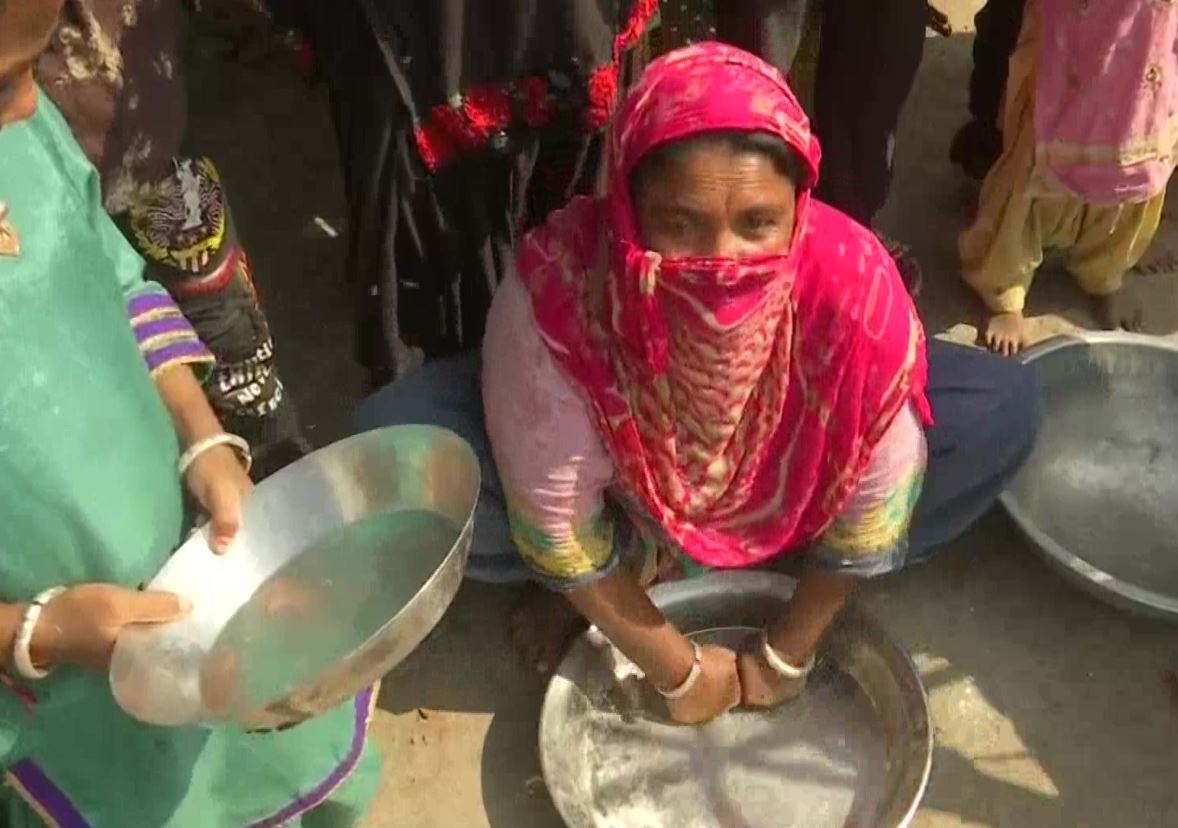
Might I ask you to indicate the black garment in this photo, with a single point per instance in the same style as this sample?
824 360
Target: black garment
978 143
770 29
998 24
867 63
426 249
214 289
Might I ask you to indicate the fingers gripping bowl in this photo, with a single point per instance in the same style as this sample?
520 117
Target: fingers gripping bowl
344 563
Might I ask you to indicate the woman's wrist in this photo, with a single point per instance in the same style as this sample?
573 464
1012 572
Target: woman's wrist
683 688
43 644
219 441
674 665
10 618
192 416
624 613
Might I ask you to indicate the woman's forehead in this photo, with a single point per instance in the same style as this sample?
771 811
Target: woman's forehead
732 159
684 159
705 89
705 173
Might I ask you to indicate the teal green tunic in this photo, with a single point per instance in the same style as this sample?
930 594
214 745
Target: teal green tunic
89 492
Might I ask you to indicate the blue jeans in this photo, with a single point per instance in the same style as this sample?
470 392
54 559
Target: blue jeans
986 409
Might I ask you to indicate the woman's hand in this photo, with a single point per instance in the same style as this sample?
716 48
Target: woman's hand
761 685
216 477
715 693
220 484
81 625
621 609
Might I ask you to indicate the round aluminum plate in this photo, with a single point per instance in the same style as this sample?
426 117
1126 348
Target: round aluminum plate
854 750
1099 495
344 563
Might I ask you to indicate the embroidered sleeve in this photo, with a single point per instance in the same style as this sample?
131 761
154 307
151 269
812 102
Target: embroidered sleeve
561 552
553 466
869 537
165 336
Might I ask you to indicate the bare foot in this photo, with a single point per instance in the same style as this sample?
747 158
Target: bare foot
1122 309
1006 333
543 624
761 685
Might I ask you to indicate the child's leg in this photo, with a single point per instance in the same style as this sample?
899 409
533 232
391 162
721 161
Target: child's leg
1000 253
1003 247
1109 242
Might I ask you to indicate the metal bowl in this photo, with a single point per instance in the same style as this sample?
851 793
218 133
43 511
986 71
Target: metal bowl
854 749
1099 494
344 563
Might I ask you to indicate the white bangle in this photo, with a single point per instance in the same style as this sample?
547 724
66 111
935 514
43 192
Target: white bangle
780 666
688 684
21 660
198 448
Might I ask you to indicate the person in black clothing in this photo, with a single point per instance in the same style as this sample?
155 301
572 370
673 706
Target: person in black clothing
115 70
978 143
867 61
459 123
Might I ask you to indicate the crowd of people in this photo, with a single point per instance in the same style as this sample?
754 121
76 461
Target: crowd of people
649 294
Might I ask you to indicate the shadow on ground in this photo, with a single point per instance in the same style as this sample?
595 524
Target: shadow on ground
1050 709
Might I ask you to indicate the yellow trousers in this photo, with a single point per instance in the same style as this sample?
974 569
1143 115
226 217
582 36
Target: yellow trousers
1020 217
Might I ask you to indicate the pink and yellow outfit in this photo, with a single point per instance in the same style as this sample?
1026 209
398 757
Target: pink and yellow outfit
734 409
1090 123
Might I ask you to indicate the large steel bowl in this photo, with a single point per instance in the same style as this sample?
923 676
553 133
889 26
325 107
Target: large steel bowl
344 563
854 750
1099 495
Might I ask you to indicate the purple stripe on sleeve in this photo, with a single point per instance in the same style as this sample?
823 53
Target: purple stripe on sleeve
158 327
43 792
152 300
184 351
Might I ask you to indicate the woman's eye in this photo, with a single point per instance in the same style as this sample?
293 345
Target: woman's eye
761 223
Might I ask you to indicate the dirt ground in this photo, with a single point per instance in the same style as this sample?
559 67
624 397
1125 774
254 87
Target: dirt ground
1050 709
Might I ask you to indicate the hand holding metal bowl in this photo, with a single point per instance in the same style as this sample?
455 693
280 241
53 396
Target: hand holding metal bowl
344 563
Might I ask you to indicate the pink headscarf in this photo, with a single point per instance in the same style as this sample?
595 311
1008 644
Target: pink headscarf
740 399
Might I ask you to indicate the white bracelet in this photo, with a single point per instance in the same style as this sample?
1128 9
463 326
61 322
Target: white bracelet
779 664
688 684
198 448
21 659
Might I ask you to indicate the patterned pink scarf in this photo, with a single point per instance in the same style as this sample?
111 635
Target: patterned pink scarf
740 399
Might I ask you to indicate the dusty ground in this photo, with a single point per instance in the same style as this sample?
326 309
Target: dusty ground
1049 707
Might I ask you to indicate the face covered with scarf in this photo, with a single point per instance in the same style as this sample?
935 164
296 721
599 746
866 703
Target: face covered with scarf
742 348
